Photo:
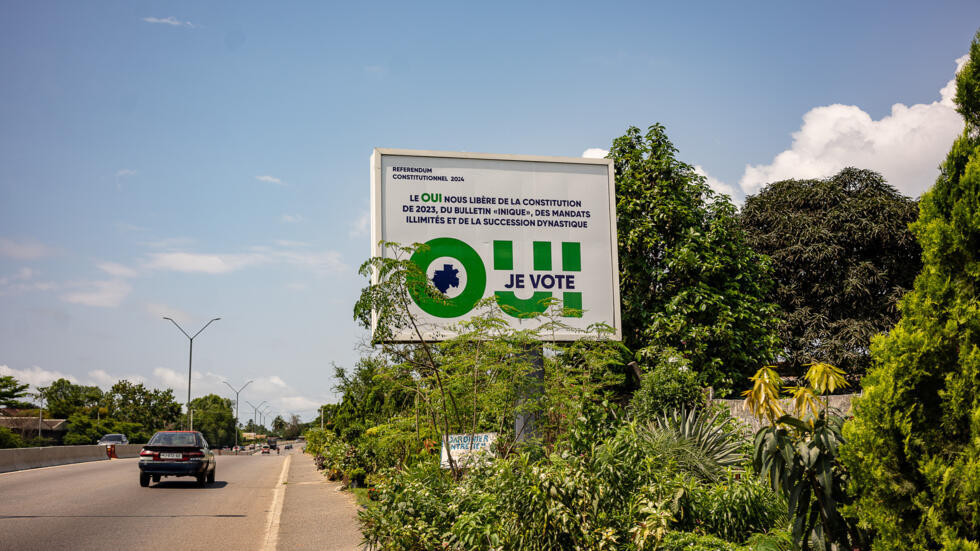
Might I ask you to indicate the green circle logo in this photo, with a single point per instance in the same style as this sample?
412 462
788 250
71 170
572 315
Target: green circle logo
476 278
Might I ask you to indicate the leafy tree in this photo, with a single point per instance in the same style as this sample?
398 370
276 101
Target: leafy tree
913 447
82 430
842 256
278 424
215 419
65 398
10 439
688 280
799 455
668 385
134 403
10 392
293 428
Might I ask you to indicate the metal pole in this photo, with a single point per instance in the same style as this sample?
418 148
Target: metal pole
190 359
236 405
525 421
255 410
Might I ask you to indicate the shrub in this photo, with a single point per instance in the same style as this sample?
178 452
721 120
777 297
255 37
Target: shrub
10 439
668 384
689 541
625 491
735 507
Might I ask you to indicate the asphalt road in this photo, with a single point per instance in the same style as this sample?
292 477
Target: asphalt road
100 505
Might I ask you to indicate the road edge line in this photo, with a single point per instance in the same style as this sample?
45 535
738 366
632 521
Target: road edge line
275 511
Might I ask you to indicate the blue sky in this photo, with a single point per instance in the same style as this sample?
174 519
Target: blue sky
200 160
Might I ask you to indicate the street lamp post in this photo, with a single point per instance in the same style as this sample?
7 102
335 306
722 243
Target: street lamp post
255 410
236 405
267 409
190 359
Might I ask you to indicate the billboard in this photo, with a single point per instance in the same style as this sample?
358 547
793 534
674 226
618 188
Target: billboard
520 229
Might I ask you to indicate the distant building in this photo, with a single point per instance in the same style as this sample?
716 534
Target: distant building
27 427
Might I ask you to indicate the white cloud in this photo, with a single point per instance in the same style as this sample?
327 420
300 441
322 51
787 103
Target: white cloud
125 172
715 184
23 281
172 21
905 146
297 403
360 226
205 263
292 218
101 378
270 180
35 376
171 243
322 262
595 153
104 294
118 270
170 379
23 250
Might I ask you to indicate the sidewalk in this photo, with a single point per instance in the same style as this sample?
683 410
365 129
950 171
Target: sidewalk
315 514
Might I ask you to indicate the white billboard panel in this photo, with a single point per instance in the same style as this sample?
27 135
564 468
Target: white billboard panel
517 228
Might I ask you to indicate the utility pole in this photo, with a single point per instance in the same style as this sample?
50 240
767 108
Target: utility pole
255 411
190 359
236 405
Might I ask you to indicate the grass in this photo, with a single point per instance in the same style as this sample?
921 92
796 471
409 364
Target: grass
361 495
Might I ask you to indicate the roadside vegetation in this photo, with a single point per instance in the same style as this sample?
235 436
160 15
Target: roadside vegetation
816 287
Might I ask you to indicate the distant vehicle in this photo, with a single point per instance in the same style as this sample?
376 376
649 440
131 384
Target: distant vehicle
288 446
273 442
177 453
113 439
265 450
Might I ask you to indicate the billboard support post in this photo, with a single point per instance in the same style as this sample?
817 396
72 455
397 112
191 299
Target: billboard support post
525 422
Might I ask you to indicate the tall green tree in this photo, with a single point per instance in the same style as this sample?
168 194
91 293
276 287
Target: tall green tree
83 429
843 256
65 398
688 280
278 424
11 390
215 419
134 403
913 447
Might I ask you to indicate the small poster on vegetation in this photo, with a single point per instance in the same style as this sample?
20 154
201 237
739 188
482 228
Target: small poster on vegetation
467 448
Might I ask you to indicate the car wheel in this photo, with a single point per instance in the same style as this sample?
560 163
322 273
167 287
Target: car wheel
156 478
144 480
211 476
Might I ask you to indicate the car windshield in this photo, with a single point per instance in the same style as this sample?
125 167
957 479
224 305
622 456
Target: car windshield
112 438
174 439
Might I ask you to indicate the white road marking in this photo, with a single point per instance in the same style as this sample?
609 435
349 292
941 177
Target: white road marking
275 511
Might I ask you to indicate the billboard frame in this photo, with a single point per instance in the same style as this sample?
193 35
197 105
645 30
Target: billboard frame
377 208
